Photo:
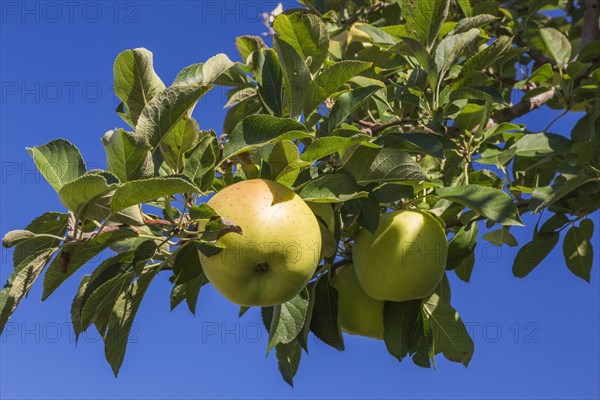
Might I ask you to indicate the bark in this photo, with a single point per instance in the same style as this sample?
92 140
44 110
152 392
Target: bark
591 22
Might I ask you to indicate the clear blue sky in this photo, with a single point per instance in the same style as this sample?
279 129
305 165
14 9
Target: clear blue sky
535 337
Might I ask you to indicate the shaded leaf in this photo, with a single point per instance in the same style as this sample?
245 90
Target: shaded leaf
76 254
578 253
297 76
121 319
324 320
533 253
288 319
450 335
20 282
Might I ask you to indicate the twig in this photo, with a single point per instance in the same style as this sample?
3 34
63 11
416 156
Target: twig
373 128
523 107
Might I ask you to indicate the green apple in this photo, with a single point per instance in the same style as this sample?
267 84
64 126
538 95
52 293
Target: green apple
358 313
276 254
405 258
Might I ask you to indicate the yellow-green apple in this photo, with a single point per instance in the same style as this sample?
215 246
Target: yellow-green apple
276 254
358 313
404 259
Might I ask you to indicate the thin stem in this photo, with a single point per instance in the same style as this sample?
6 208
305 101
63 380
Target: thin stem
556 119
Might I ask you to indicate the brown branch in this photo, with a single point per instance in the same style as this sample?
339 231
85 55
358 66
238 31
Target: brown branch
538 58
373 128
591 22
159 222
523 107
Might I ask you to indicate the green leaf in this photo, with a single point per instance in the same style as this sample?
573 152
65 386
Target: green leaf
200 164
192 290
557 45
59 162
288 320
533 253
15 237
378 36
128 155
488 55
348 102
489 202
578 253
424 19
297 76
104 295
329 80
583 177
462 245
191 75
186 265
202 211
269 77
163 113
214 67
307 34
414 143
204 74
542 144
496 157
180 141
74 255
421 54
324 320
20 282
143 253
282 154
257 130
135 81
121 319
76 306
288 360
177 295
247 45
332 188
477 21
483 93
369 165
324 146
554 223
80 194
403 330
501 236
450 335
451 47
145 190
50 223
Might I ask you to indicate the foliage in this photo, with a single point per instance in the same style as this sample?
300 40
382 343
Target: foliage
367 105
